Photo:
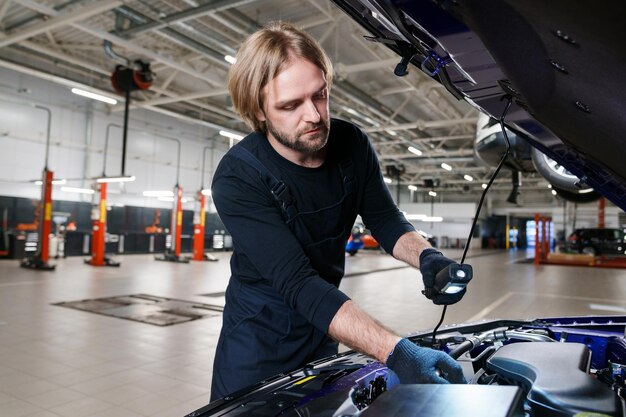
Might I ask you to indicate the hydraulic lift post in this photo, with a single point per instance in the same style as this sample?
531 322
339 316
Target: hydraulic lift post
199 219
198 228
40 260
99 230
176 221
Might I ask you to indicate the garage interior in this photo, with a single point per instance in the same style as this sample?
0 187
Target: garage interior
146 347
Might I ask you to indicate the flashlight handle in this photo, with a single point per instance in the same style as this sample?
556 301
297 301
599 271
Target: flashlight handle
442 278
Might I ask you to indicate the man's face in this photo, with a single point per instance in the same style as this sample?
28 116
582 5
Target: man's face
296 107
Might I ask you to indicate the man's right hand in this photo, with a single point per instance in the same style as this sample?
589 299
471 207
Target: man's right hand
414 364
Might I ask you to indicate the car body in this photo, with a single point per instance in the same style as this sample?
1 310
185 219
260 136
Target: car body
563 71
514 368
562 66
597 241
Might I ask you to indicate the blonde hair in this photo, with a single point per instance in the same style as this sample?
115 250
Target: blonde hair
261 58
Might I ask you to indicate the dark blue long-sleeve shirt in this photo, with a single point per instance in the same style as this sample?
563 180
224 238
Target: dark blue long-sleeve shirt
268 254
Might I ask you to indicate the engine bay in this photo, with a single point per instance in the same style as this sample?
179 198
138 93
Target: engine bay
549 367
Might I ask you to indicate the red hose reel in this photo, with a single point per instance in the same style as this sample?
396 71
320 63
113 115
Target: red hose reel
137 77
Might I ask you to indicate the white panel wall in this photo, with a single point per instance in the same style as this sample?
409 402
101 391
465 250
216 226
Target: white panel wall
456 224
78 131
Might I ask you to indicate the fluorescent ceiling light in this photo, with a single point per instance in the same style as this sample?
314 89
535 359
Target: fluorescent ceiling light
351 111
484 186
165 193
415 216
60 181
412 188
372 121
432 193
126 178
553 192
77 190
468 177
391 132
549 185
230 59
94 96
184 200
167 199
432 219
415 151
387 180
446 166
231 135
206 191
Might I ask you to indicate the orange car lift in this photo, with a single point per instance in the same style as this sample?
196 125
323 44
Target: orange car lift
40 260
199 217
176 227
99 230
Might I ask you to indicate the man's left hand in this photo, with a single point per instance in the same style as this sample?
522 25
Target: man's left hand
431 262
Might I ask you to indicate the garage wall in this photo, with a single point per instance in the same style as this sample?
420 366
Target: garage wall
78 131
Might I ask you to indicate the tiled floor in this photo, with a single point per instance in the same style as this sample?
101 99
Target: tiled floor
56 361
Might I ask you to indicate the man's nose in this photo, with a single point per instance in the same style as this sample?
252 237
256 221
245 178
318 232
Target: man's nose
311 114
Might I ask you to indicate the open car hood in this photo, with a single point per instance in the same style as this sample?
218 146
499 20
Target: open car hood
550 367
563 63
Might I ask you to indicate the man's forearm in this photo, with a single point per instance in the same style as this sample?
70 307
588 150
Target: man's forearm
408 248
357 330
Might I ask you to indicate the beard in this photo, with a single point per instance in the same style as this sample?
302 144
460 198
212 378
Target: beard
300 141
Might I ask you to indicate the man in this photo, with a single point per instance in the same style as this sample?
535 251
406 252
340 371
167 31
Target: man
289 194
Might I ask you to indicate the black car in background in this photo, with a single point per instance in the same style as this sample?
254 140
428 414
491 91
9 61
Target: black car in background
597 241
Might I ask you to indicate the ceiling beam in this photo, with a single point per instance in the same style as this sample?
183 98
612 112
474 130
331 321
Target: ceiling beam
59 20
176 98
103 35
424 124
3 9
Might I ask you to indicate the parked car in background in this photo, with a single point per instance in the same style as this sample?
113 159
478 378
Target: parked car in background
597 241
361 238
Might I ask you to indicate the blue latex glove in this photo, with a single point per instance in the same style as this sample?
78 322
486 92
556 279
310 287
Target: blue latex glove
431 262
418 365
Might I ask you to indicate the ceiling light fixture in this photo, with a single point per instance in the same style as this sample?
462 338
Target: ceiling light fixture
231 135
123 178
432 219
60 181
468 177
412 188
206 191
77 190
415 216
446 166
230 59
166 199
94 96
553 192
432 193
484 186
387 180
415 151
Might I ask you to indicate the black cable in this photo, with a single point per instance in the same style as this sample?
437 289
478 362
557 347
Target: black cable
443 315
482 199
